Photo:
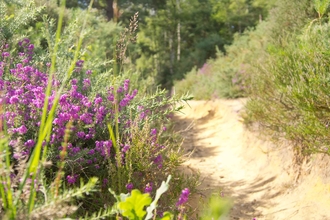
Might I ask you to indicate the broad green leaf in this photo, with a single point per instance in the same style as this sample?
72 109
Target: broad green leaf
133 206
167 216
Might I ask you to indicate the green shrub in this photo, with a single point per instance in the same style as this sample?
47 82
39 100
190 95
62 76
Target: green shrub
61 127
290 92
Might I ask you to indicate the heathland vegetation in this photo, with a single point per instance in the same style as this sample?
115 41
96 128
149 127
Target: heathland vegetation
281 65
86 128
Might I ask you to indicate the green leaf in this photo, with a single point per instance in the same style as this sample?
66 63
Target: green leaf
167 216
133 206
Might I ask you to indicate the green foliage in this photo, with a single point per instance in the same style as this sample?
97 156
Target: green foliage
289 90
216 208
296 81
229 74
15 16
321 6
133 206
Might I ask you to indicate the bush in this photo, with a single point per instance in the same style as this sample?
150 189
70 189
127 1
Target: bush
61 129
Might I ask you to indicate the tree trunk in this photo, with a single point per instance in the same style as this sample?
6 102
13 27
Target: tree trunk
109 9
179 32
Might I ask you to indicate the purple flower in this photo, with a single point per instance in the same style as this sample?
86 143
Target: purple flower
148 188
22 129
129 187
13 143
87 83
91 152
126 85
134 93
120 89
74 82
111 97
98 100
183 197
125 148
87 118
159 161
72 179
14 99
79 63
124 102
81 134
29 143
153 132
30 47
105 182
86 102
26 41
88 72
5 54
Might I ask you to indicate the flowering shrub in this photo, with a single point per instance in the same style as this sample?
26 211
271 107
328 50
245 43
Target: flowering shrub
111 135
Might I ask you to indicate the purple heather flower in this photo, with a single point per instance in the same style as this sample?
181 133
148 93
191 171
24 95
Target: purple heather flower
135 91
87 83
86 102
159 161
88 72
81 134
88 136
125 148
105 181
14 99
111 97
26 41
129 187
72 179
183 197
148 188
124 102
13 143
142 115
30 47
5 54
91 152
79 63
153 132
29 143
120 89
74 82
87 118
126 85
97 100
22 129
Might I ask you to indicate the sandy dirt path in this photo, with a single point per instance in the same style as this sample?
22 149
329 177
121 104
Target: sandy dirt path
260 177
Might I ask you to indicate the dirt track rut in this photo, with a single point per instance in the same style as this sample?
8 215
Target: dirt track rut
236 163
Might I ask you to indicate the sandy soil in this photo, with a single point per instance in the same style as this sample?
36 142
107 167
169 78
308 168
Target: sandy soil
260 177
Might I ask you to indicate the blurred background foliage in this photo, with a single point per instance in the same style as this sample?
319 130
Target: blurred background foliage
210 48
174 36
